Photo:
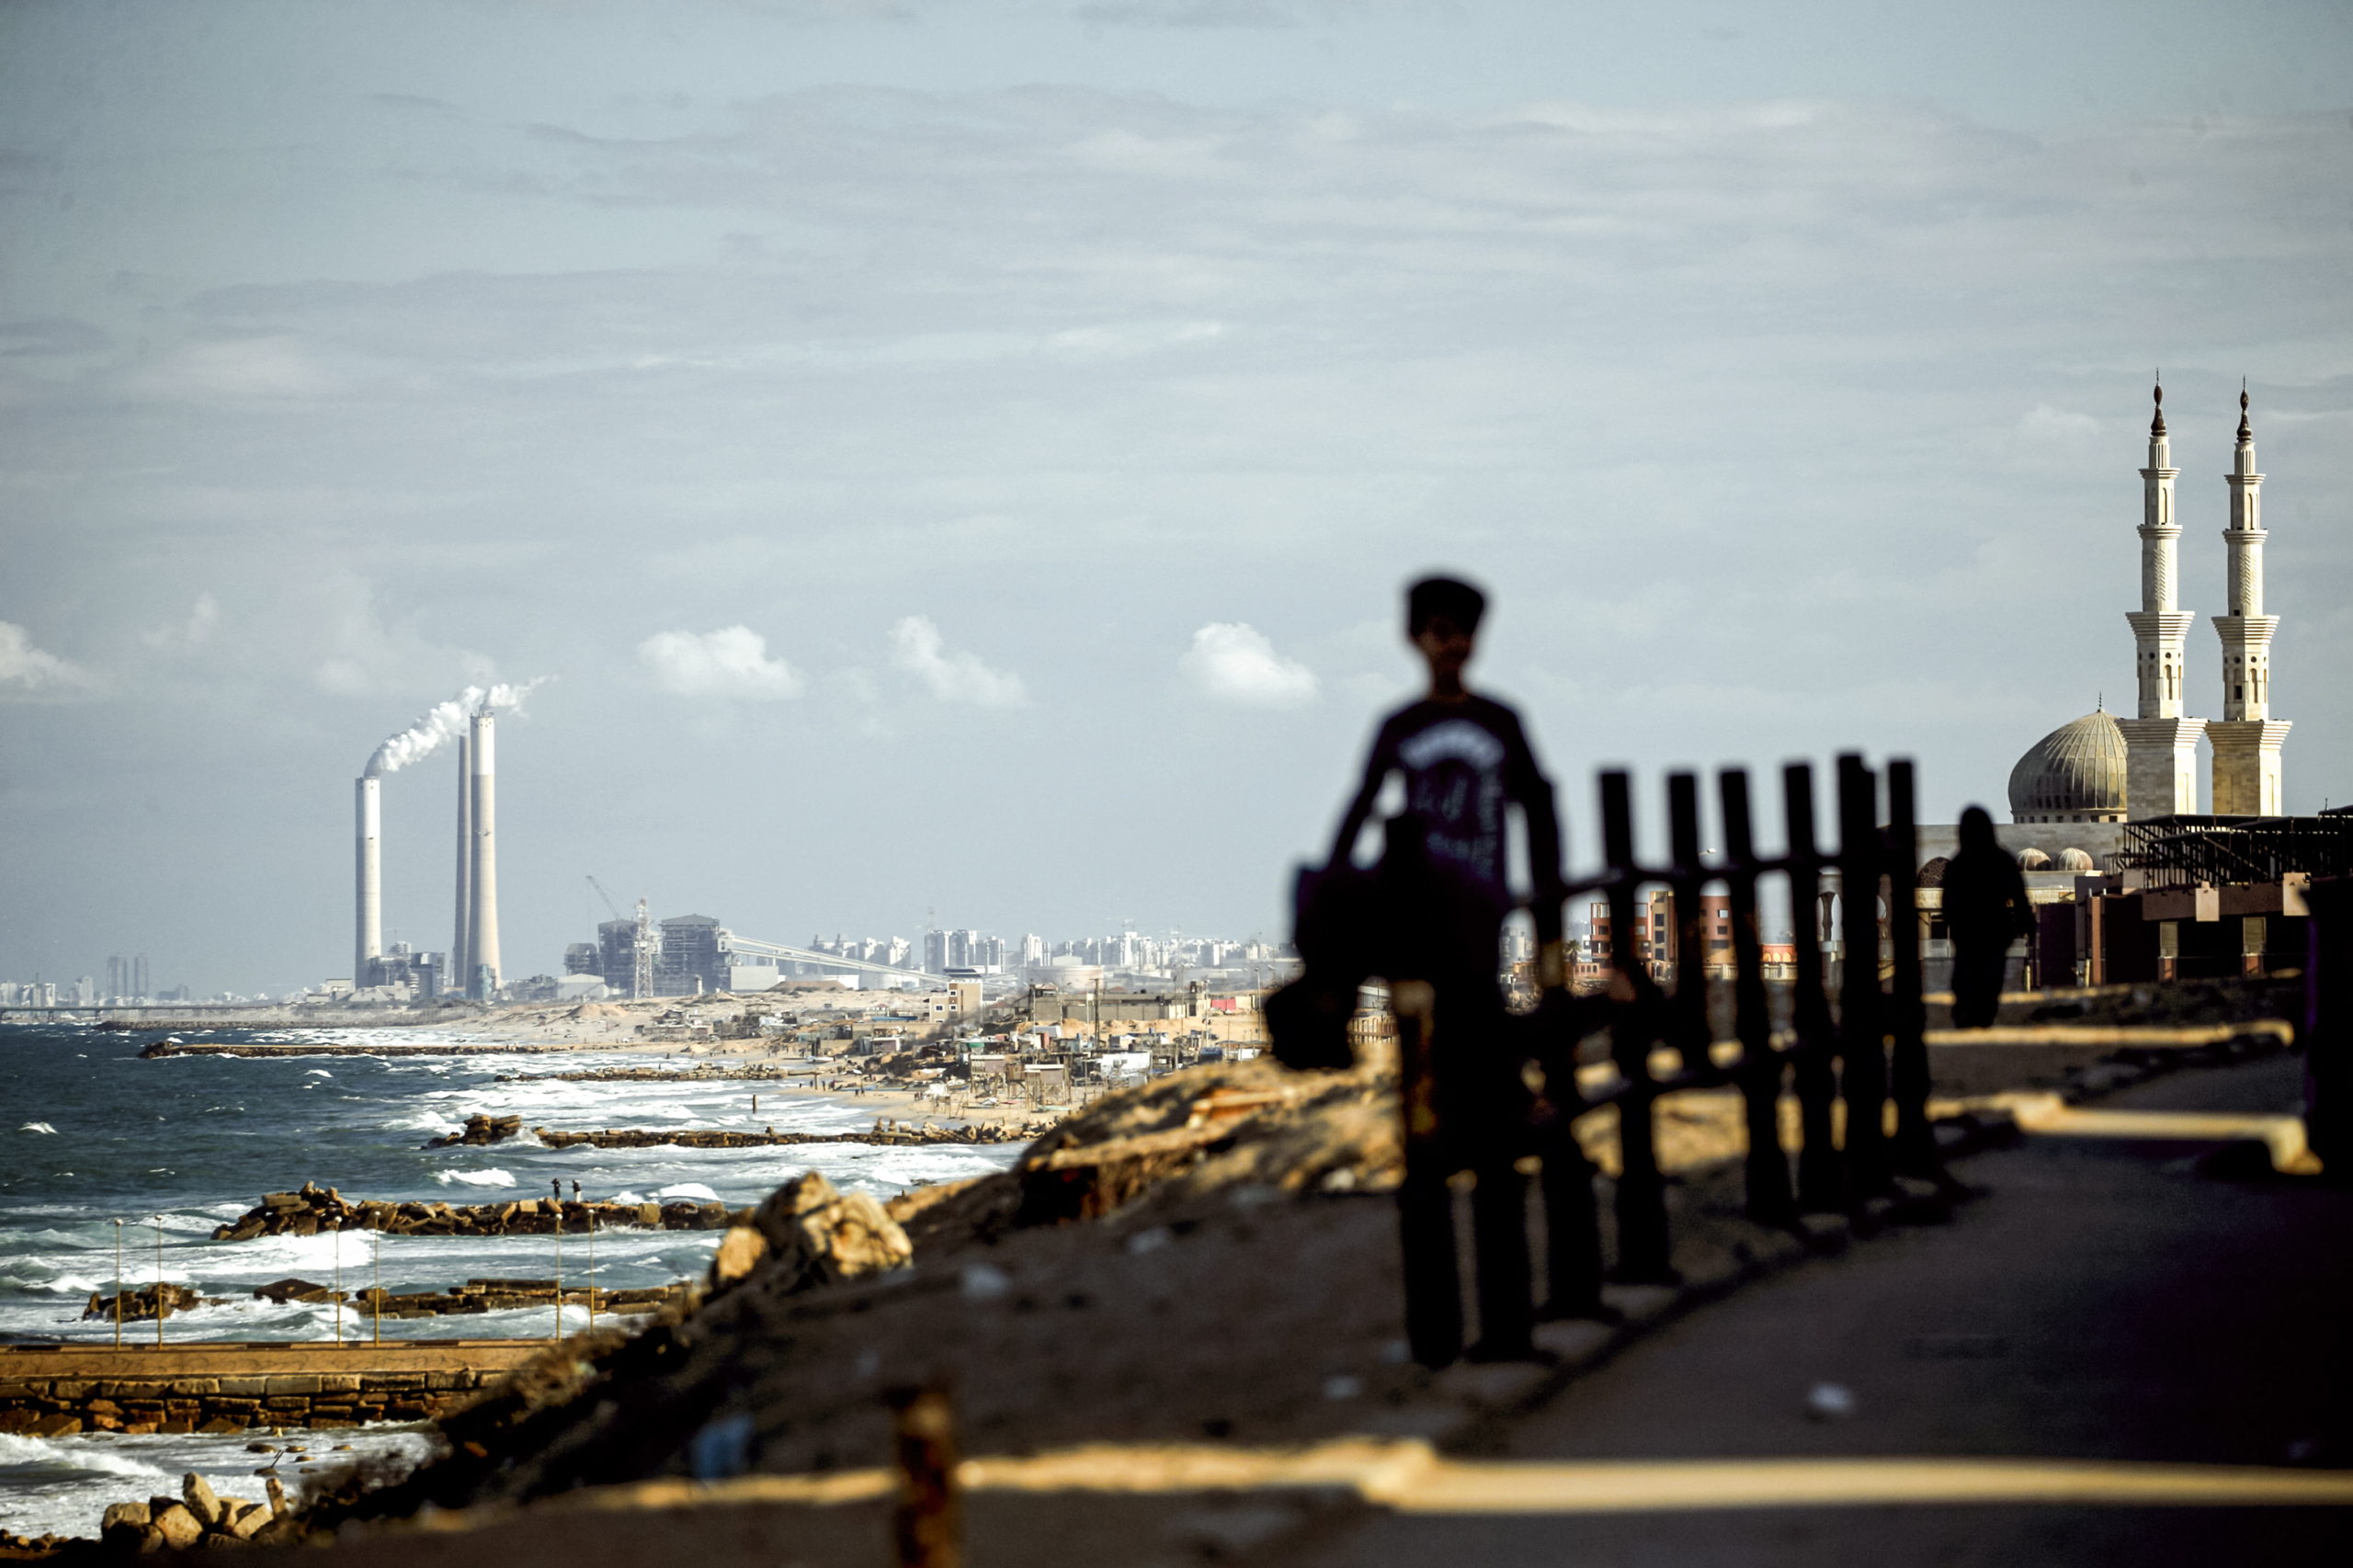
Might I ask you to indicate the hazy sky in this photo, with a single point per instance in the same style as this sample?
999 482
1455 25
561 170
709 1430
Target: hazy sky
964 457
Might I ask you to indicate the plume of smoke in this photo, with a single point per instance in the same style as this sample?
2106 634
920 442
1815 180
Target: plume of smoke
445 722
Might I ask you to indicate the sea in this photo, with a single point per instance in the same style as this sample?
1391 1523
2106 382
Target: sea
114 1167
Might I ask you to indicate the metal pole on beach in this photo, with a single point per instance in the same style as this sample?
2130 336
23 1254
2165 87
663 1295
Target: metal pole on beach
335 1302
558 1273
592 1271
377 1331
117 1284
159 1281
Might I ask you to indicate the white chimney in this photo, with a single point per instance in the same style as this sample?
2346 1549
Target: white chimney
459 976
482 925
370 942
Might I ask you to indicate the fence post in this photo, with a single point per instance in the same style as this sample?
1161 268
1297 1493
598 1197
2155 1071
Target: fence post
1760 1066
1862 1044
2328 1026
1908 1018
927 1526
1821 1181
1643 1243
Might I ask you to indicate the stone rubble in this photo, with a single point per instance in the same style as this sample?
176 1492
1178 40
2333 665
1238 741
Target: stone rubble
197 1518
315 1209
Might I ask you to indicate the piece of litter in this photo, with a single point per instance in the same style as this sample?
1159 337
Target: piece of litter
1829 1401
1151 1240
982 1283
1343 1387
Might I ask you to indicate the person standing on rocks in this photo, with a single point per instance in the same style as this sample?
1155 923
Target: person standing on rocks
1463 759
1986 911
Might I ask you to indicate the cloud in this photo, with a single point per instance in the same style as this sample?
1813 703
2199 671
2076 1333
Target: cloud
203 620
1229 662
29 672
731 662
917 648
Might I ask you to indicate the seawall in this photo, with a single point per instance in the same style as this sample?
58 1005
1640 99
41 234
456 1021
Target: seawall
50 1390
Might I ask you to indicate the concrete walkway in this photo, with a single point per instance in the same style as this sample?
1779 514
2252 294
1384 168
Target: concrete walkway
2108 1303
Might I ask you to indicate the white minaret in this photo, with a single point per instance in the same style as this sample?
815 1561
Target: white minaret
2161 746
2246 739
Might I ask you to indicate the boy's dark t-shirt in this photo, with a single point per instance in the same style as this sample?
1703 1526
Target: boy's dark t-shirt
1463 763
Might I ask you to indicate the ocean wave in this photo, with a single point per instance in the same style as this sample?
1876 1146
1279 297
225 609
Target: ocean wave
693 1189
492 1177
38 1127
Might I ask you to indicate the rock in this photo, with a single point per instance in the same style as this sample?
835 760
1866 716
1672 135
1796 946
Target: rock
277 1496
740 1252
131 1516
197 1494
820 1236
177 1527
248 1519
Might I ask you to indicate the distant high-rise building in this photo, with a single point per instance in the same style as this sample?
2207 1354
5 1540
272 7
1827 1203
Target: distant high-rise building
582 957
1033 949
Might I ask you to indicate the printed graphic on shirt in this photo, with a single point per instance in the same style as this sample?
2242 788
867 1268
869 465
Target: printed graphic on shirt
1454 781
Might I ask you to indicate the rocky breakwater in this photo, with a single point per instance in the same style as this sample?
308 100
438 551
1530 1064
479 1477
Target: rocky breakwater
221 1047
481 1130
702 1075
198 1518
148 1302
892 1133
315 1209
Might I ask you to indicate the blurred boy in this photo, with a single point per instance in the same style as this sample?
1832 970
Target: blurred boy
1463 759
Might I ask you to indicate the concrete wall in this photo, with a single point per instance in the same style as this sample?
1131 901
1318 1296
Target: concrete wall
50 1391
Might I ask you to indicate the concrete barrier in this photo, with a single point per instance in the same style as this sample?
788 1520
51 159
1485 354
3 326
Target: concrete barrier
50 1390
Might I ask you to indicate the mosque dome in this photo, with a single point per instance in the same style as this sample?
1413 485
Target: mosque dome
2074 860
2032 859
2073 774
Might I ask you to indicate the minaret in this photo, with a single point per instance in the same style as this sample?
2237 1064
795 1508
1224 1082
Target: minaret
2246 739
2161 746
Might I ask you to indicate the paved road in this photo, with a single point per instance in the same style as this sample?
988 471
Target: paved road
2105 1301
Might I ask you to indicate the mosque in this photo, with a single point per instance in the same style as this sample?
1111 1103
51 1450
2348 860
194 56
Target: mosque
2075 788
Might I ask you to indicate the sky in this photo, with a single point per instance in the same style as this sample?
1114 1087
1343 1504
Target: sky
959 462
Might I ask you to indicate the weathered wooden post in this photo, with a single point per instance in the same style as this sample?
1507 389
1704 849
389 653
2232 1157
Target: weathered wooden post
1769 1201
927 1526
1862 1044
1822 1188
1643 1242
1907 1016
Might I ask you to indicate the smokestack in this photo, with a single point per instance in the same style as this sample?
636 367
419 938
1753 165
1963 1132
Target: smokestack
459 976
369 943
482 925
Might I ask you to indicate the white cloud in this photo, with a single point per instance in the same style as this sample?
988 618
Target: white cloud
27 671
203 620
731 662
1229 662
917 648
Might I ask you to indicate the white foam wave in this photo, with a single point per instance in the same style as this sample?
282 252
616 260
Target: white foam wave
318 1073
693 1189
38 1127
492 1177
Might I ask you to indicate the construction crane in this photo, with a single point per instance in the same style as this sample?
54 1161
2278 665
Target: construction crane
641 983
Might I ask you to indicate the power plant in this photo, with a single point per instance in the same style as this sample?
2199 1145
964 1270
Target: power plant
469 718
